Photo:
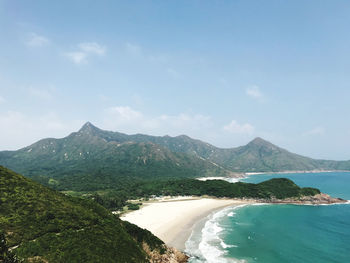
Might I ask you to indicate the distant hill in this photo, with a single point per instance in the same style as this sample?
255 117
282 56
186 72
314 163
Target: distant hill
46 226
101 156
258 155
98 152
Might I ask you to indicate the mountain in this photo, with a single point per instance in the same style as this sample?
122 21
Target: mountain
96 152
42 225
262 156
102 156
258 155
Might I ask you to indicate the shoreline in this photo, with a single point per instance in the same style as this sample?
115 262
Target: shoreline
295 172
243 175
173 221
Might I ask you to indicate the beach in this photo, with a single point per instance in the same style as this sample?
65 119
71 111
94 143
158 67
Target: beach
173 220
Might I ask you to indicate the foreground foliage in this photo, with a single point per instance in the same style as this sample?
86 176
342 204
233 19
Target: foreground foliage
48 225
7 256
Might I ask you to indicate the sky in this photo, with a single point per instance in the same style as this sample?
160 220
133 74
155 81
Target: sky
223 72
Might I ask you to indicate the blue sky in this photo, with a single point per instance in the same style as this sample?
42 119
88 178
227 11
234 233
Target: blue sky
220 71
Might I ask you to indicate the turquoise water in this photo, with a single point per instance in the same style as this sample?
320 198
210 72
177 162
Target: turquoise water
280 233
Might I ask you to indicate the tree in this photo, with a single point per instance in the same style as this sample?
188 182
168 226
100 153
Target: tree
6 255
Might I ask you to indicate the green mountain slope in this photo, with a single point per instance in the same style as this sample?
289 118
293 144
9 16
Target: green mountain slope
49 226
258 155
103 157
93 151
262 156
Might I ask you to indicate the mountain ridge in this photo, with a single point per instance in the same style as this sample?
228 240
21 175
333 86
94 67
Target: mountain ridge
93 151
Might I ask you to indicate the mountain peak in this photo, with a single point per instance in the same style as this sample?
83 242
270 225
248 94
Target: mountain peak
88 127
261 142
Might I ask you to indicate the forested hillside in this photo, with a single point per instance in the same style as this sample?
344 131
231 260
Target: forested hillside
44 225
93 159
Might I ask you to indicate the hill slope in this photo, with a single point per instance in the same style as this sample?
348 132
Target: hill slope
262 156
93 151
101 157
47 225
257 156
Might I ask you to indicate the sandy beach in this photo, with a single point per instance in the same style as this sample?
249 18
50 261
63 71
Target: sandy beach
173 220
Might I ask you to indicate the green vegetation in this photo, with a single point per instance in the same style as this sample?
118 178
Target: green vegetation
48 225
133 206
280 188
100 159
144 236
107 169
116 198
6 255
97 156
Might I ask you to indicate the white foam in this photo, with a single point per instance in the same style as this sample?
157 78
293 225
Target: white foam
258 204
233 180
211 248
347 203
224 245
231 214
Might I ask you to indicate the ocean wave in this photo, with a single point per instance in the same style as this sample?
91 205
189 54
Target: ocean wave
208 247
231 214
259 204
224 245
233 180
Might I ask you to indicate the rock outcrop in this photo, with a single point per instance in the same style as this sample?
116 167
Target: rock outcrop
319 199
169 255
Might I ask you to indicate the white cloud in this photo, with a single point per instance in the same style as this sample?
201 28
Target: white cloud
35 40
93 47
315 131
23 130
126 119
133 49
124 114
183 122
254 92
85 51
77 57
235 127
42 94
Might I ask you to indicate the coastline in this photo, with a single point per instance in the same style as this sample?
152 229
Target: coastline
173 221
294 172
179 217
238 176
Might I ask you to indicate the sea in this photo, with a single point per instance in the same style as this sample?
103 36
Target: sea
278 233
